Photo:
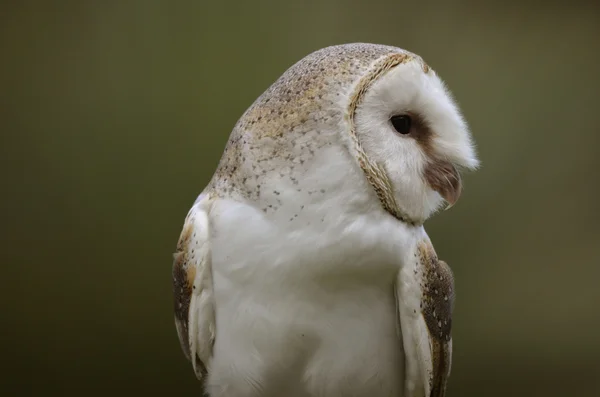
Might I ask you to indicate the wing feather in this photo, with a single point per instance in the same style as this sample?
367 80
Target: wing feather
425 296
192 288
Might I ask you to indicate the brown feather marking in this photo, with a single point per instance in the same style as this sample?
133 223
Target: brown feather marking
437 305
184 276
425 66
440 355
183 282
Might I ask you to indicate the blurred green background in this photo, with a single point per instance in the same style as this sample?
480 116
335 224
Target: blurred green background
114 116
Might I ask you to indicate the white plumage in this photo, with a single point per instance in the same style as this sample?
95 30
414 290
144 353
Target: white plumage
303 269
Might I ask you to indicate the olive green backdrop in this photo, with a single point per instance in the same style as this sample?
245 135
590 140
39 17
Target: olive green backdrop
114 115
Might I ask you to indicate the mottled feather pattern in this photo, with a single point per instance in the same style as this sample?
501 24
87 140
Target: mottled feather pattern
183 282
437 303
192 288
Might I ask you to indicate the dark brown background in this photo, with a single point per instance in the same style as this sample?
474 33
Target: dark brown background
114 114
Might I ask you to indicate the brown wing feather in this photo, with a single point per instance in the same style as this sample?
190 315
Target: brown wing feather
437 305
183 282
192 288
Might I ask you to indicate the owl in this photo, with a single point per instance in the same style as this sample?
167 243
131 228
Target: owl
303 268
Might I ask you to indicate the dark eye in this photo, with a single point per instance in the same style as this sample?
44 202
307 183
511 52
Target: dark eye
401 124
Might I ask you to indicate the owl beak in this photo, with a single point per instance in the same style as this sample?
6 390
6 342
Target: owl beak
443 177
452 195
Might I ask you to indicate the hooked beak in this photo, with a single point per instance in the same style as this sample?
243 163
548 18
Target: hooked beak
443 177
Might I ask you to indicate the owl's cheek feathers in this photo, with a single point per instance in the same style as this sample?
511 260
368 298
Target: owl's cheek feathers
443 177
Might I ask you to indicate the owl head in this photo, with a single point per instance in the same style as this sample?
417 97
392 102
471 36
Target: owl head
348 119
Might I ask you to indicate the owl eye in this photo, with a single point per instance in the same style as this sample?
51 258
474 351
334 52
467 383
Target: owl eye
401 123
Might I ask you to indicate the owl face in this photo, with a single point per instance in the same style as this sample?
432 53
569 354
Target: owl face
408 123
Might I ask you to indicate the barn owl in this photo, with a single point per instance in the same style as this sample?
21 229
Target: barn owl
303 268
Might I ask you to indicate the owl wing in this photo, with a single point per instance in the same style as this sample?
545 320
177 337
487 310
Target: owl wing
192 288
425 296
